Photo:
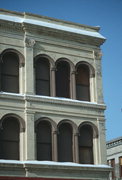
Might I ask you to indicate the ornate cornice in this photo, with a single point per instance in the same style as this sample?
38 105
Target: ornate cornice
57 33
114 143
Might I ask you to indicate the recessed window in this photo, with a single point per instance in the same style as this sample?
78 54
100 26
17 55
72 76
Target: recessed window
82 83
86 145
113 165
65 143
9 139
10 73
120 166
42 72
63 79
44 141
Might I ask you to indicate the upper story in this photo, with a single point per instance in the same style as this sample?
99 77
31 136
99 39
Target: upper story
49 57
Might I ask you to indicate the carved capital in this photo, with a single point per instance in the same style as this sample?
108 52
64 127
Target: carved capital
53 68
92 75
29 42
77 134
55 132
73 72
97 54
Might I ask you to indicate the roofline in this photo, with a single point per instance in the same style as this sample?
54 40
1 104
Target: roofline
113 140
95 28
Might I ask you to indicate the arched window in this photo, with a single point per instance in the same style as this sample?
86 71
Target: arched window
10 72
65 143
63 79
9 139
44 141
82 83
86 145
42 72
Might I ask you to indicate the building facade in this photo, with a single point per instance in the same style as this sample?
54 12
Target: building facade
114 157
51 99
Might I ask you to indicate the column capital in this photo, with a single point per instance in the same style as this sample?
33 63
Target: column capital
53 68
73 72
92 75
55 132
97 54
29 42
76 134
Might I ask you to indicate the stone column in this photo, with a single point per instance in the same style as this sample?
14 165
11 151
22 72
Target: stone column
22 145
29 69
21 80
95 150
54 146
73 85
29 137
75 148
52 82
92 87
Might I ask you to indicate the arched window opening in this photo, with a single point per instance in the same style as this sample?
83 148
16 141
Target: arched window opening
63 79
9 139
82 83
65 143
86 145
42 71
10 73
44 141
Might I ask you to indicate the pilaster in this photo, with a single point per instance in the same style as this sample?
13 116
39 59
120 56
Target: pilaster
29 69
102 141
29 136
99 89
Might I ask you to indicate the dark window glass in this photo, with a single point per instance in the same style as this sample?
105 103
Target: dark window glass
10 73
65 143
82 83
113 165
9 139
42 77
44 145
63 80
86 145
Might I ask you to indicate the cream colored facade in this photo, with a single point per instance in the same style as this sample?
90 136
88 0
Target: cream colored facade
30 35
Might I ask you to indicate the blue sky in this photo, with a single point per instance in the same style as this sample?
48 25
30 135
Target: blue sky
104 13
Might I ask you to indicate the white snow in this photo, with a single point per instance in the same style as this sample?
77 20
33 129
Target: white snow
13 94
50 98
62 99
71 164
51 25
